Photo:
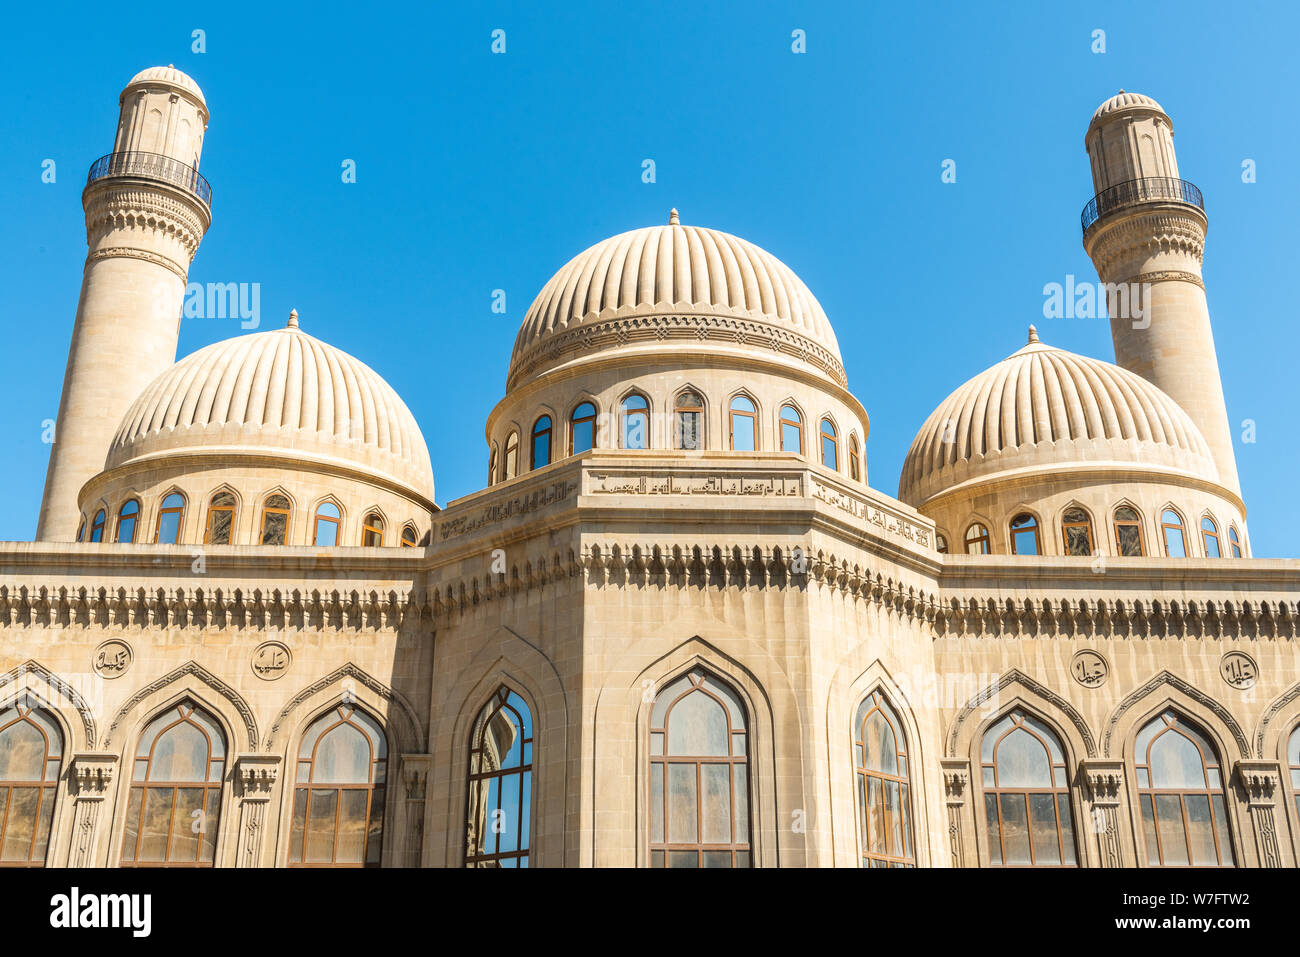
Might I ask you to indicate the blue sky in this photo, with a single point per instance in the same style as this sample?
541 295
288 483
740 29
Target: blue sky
478 171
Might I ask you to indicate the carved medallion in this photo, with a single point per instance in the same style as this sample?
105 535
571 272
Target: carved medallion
1089 668
112 658
271 660
1239 670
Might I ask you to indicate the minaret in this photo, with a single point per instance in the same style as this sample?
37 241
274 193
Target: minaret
147 209
1145 230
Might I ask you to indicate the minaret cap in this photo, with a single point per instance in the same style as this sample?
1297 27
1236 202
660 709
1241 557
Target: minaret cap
672 218
293 319
1033 335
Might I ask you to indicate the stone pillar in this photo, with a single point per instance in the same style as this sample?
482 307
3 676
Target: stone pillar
415 779
1104 782
256 776
1262 782
91 780
956 788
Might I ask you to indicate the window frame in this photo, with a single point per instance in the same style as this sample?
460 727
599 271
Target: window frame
1136 522
624 414
881 703
855 463
983 536
47 786
834 438
525 770
575 421
1234 541
1181 527
796 423
286 511
510 457
1085 524
373 525
1034 525
548 434
213 509
680 409
135 521
335 520
98 525
1211 533
165 509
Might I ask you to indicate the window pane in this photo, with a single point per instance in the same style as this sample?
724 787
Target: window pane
180 754
169 527
741 791
636 430
327 533
682 825
43 826
375 829
1176 762
155 825
320 826
352 825
683 859
742 433
219 522
656 803
697 725
584 436
274 527
994 832
22 752
716 859
1042 816
715 796
187 823
1022 761
21 824
1077 541
790 438
688 430
342 757
1015 829
1200 829
1174 543
1149 830
1169 823
1221 829
208 837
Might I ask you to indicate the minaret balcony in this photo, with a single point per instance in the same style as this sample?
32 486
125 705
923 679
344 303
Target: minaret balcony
151 166
1157 189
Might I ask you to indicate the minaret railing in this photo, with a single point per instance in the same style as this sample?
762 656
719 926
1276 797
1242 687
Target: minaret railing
1150 189
151 166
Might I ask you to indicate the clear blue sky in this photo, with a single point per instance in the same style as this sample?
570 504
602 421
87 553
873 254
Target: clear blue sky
478 171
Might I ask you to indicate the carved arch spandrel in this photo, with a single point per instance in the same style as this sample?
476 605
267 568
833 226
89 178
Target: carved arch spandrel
410 731
1049 701
51 689
1271 726
196 671
1208 706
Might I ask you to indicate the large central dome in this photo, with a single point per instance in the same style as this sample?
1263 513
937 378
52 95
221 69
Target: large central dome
669 286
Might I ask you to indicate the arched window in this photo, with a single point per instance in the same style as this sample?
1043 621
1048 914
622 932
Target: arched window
884 800
372 530
830 445
541 442
175 803
941 543
636 422
1076 532
582 428
97 526
338 805
492 465
325 529
1293 763
1024 535
1234 542
1210 537
690 420
126 519
1128 532
855 458
977 539
1171 526
168 529
275 520
699 776
409 537
31 752
81 528
221 519
742 425
512 456
1026 794
1180 787
499 810
791 430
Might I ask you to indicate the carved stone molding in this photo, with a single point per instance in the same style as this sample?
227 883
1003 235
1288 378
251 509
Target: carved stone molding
956 788
20 678
190 668
401 708
1173 681
1165 275
92 774
1146 233
1105 789
1262 781
1017 677
415 774
1105 780
506 508
257 774
130 252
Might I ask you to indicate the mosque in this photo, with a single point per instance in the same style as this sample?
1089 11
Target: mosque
677 627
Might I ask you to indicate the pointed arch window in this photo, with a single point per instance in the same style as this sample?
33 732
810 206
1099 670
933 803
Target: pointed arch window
31 754
499 809
1171 527
275 520
168 529
409 537
699 775
582 428
883 796
1210 537
1293 764
97 526
690 420
1234 542
830 445
635 412
221 519
372 530
941 543
742 425
511 465
175 803
492 465
1026 794
977 539
325 527
126 521
1128 532
1180 790
541 442
1024 535
791 430
338 803
855 458
1076 532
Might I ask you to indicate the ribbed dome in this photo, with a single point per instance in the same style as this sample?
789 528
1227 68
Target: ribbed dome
168 75
1122 101
663 283
1043 409
281 393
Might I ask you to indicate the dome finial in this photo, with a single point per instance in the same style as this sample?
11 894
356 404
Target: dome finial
1033 335
672 217
293 319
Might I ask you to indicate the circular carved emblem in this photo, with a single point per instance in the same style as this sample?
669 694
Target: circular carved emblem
1089 668
271 660
112 658
1239 670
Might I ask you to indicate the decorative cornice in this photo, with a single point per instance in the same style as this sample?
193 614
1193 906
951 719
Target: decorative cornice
257 774
505 508
112 205
956 779
1164 275
1260 780
130 252
1146 232
92 774
1105 780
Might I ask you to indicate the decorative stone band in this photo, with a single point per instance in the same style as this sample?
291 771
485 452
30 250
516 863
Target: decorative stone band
670 329
1164 275
1145 234
124 208
127 252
